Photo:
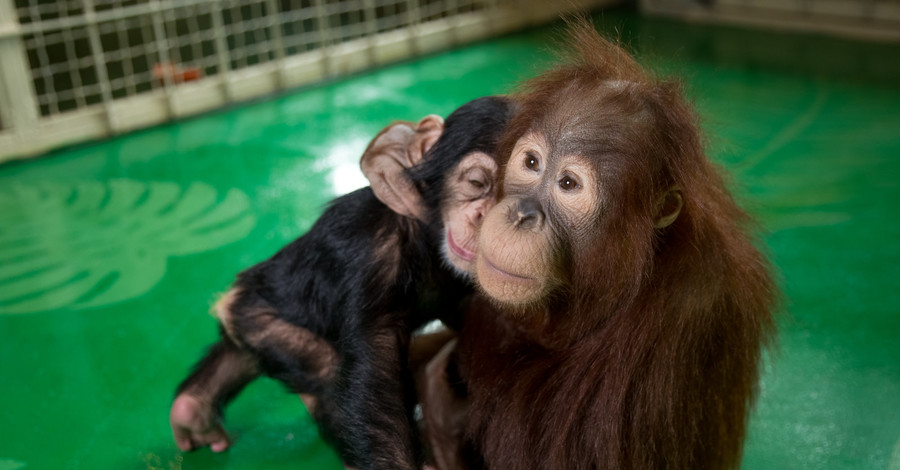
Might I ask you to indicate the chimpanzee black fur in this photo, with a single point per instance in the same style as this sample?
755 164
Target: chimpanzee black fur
331 314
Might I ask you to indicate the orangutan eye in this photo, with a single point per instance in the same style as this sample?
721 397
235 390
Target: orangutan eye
531 161
567 183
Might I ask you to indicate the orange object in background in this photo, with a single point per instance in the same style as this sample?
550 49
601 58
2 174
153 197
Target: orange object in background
173 73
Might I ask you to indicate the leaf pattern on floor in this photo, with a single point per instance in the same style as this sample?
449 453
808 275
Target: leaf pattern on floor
94 243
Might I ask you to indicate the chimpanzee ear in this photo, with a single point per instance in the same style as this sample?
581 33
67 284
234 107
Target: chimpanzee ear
384 163
390 143
428 130
668 207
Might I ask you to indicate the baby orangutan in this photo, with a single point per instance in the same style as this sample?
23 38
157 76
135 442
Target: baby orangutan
624 304
331 314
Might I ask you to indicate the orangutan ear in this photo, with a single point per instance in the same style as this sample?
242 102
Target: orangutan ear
428 131
668 207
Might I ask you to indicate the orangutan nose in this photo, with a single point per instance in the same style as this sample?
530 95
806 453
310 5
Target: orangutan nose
529 215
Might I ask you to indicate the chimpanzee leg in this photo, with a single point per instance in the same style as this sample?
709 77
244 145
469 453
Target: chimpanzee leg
196 414
294 355
368 413
254 340
350 396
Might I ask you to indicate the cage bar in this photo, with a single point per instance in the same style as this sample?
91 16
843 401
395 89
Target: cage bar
74 70
867 19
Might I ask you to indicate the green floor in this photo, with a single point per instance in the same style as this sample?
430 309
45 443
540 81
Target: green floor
111 253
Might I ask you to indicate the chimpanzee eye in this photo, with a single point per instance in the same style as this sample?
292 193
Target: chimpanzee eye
567 183
474 183
531 161
478 181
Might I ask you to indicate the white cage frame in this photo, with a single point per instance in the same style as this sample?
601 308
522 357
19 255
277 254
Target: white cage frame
877 20
76 70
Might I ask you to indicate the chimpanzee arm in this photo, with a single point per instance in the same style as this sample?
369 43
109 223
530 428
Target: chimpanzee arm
370 412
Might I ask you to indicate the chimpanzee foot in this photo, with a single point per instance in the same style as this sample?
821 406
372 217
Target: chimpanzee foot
196 424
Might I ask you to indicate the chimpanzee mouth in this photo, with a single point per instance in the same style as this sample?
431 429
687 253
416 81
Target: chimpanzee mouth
463 253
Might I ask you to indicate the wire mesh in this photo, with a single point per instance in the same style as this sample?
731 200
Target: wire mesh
94 58
390 15
874 19
165 44
62 69
130 50
45 10
191 42
300 26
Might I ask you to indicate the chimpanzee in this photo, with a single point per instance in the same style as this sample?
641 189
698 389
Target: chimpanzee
331 314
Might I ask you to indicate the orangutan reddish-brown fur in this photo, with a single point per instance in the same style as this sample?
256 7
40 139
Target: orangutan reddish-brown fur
625 305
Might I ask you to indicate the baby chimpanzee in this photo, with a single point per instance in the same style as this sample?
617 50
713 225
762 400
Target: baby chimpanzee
331 314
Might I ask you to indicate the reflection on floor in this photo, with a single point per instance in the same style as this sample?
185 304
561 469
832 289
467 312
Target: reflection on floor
111 253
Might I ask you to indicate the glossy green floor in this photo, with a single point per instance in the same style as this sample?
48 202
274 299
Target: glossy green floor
111 253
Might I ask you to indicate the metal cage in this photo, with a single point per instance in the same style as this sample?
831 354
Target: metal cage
73 70
866 19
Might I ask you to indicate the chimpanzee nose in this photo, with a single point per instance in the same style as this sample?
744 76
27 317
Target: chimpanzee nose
529 215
